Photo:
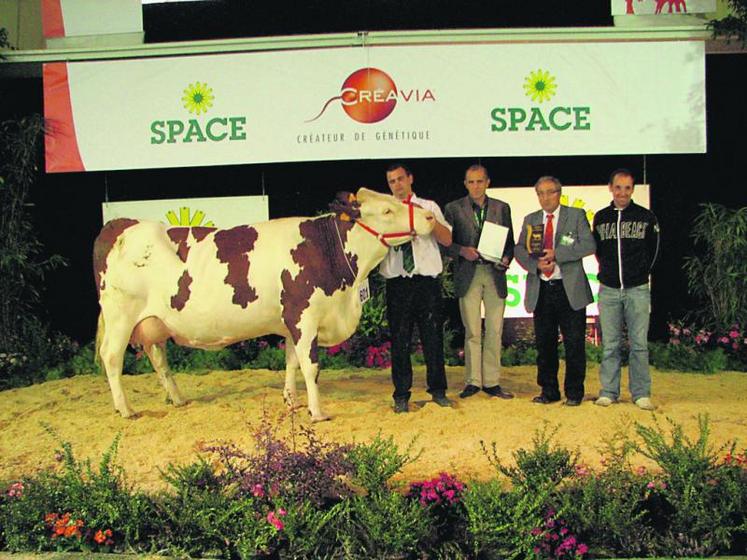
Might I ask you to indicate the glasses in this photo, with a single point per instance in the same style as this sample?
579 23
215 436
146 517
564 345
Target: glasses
548 193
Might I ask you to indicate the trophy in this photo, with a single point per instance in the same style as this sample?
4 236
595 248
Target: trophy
535 240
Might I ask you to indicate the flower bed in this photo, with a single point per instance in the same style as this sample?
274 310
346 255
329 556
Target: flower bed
299 497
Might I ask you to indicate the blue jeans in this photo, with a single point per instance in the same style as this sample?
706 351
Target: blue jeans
633 306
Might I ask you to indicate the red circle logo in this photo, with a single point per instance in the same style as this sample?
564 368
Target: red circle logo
368 95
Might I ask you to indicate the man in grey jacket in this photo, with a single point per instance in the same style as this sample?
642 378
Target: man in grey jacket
557 291
479 281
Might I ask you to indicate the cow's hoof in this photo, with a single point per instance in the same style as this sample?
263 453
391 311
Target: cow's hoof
176 402
290 399
129 414
320 417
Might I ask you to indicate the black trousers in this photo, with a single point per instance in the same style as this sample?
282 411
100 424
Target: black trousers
552 312
409 302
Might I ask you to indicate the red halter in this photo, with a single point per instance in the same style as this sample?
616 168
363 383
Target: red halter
383 237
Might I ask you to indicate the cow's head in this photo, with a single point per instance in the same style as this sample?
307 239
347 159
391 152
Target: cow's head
390 218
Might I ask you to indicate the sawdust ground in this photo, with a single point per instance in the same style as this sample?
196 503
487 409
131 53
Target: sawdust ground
223 405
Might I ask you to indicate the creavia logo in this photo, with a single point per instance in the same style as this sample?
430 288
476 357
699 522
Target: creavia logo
198 99
369 95
540 86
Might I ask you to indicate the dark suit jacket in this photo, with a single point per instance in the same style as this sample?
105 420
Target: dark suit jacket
573 242
465 234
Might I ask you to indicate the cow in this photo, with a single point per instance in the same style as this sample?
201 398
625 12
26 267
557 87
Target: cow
207 288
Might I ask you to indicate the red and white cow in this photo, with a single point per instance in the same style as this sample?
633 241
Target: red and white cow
208 288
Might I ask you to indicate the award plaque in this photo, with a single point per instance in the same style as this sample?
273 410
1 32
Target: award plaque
535 240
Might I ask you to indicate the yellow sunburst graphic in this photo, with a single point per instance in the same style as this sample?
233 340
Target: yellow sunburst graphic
540 85
184 218
578 203
198 98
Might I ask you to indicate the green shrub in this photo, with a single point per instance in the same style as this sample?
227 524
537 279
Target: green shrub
375 463
382 525
697 504
201 518
543 465
680 357
98 498
272 358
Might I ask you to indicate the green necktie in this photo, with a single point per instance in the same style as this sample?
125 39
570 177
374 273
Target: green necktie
408 261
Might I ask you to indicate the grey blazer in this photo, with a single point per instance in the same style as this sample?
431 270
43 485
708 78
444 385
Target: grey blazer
465 234
573 242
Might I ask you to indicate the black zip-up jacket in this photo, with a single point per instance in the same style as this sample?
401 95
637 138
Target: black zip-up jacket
631 236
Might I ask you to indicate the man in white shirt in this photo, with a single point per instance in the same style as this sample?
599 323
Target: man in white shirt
413 297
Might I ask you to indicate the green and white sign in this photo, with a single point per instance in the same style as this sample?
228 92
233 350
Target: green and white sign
377 102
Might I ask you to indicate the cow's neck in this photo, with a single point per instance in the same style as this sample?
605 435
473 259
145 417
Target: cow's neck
367 250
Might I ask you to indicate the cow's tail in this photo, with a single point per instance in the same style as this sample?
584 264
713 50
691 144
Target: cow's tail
100 329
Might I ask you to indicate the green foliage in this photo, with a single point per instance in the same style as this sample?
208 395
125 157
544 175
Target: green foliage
22 262
99 498
201 518
382 525
375 463
734 25
606 508
270 357
698 504
544 465
717 269
4 41
680 357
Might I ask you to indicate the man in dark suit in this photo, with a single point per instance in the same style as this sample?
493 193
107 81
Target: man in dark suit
557 291
480 281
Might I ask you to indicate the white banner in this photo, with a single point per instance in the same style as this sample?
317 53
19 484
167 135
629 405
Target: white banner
377 102
523 201
661 7
223 212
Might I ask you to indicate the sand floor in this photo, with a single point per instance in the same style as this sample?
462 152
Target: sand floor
223 406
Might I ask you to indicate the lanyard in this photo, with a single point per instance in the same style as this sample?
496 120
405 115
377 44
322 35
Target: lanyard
479 216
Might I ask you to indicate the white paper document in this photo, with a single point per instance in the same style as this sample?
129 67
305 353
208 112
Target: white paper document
492 241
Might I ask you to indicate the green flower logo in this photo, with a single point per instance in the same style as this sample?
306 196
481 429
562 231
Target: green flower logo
540 85
198 98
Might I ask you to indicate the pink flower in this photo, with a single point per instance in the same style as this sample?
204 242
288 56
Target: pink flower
723 340
734 334
582 470
640 471
15 490
582 549
274 519
258 491
651 484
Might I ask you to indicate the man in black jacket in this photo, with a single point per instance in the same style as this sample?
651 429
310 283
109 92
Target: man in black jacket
627 238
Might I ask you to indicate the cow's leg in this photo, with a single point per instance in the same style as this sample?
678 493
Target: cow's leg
307 354
291 367
114 339
157 355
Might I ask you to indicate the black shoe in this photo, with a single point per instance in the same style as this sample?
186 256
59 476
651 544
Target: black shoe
496 391
400 406
442 400
544 399
572 402
468 391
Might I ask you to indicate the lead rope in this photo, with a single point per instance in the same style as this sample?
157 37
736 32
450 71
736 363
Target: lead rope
342 248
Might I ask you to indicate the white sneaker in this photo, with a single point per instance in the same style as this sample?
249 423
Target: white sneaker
603 401
644 403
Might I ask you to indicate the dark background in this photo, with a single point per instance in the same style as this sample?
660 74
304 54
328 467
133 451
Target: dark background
67 207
